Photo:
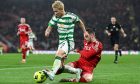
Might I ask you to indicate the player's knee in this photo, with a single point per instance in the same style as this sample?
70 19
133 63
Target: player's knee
60 70
116 46
88 77
60 53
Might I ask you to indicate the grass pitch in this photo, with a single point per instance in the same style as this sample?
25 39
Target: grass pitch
127 71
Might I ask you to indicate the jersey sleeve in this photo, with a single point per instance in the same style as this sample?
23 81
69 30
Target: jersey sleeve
52 22
107 27
75 18
29 28
119 26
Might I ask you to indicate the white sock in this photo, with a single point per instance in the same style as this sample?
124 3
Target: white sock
69 69
27 53
56 65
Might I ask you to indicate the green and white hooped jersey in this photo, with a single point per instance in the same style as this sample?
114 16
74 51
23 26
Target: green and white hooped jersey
65 26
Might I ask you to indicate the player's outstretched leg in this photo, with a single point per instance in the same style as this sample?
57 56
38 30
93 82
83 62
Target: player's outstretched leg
48 74
120 52
84 79
72 70
56 66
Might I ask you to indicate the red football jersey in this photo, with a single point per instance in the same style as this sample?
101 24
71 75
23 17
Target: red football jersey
91 54
23 29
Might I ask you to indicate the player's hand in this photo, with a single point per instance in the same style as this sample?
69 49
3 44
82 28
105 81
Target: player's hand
17 33
47 33
27 33
124 35
35 38
109 34
85 33
77 50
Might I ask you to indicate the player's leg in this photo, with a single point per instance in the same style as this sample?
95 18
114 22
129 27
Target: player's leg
86 78
116 46
1 50
120 52
28 51
56 65
114 43
24 49
61 52
71 68
32 46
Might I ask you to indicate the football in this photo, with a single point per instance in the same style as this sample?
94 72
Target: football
39 77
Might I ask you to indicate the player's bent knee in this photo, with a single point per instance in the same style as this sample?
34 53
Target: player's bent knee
60 53
88 77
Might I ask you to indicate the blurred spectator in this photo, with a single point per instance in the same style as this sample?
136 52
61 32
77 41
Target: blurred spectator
95 13
3 47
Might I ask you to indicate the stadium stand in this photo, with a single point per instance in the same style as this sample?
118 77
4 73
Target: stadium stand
95 13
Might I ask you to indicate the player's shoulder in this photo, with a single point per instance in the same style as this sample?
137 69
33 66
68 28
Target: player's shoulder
118 24
54 18
19 24
27 25
70 14
109 25
99 45
85 42
24 25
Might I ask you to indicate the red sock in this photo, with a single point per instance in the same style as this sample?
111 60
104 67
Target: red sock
82 80
24 53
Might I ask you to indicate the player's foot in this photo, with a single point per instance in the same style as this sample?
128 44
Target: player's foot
116 62
68 80
78 74
49 74
120 52
23 61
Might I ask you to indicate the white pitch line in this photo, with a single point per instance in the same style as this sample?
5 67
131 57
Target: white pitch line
22 68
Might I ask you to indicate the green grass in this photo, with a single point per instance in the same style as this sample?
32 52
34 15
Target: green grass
127 71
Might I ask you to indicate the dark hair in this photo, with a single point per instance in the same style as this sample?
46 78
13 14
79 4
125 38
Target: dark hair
90 31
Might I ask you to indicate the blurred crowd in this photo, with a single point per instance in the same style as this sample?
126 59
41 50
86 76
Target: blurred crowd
95 14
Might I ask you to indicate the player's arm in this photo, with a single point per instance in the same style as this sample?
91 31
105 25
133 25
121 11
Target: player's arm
29 29
35 38
122 31
107 31
48 30
18 31
82 26
80 23
51 25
